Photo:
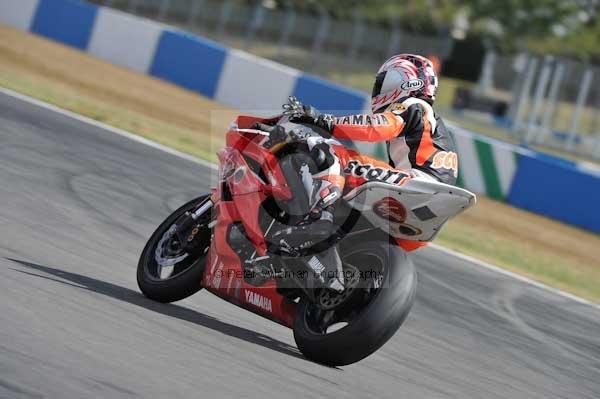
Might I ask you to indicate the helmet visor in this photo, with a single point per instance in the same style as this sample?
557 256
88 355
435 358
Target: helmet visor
378 83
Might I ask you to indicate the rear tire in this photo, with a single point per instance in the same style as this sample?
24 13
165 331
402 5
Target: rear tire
180 286
375 324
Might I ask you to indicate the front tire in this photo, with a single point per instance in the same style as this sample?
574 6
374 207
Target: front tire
375 323
186 277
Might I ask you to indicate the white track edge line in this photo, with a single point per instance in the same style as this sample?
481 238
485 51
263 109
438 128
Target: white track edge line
513 275
104 126
190 158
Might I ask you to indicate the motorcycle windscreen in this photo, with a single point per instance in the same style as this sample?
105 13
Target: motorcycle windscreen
416 210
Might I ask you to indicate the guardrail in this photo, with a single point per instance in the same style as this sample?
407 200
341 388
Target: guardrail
551 186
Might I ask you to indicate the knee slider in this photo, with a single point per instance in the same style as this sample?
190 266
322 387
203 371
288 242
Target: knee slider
321 156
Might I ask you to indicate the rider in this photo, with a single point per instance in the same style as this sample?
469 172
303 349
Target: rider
418 142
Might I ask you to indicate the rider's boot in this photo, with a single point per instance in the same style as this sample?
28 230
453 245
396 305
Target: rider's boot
315 240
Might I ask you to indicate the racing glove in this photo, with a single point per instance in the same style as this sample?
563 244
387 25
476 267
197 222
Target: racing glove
299 112
278 134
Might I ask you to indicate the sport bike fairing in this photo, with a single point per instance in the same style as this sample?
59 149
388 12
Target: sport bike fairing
239 196
223 238
415 210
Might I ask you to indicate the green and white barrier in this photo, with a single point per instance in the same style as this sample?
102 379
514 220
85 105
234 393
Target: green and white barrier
486 165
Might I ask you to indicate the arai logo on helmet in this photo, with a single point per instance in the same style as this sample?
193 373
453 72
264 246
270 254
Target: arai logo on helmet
412 85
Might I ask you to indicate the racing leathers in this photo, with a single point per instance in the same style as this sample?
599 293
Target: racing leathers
418 144
417 139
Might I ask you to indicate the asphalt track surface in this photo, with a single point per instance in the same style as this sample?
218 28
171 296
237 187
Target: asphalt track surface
76 206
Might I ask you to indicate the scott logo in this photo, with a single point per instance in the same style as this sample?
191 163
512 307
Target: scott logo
412 85
258 300
371 173
391 209
445 160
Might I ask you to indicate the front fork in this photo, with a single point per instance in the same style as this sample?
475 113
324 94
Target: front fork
189 224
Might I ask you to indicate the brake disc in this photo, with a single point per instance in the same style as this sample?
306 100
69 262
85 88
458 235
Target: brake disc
161 254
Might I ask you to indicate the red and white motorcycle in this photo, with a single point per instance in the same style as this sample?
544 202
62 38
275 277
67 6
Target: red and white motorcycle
219 242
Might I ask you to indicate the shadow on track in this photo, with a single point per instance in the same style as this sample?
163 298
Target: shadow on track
179 312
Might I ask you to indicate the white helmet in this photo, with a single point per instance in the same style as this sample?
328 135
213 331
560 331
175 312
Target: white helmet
402 76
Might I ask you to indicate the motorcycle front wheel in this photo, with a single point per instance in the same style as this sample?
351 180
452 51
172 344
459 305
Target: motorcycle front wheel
168 271
370 317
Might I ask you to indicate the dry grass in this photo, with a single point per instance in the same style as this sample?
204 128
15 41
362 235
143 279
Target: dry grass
114 95
546 250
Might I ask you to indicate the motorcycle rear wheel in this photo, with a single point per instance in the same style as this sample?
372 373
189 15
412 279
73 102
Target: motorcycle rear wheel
186 276
368 327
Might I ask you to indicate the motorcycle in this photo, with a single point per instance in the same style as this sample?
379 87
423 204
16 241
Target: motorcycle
220 242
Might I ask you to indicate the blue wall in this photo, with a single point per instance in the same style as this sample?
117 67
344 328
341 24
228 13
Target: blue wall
329 97
557 189
189 61
67 21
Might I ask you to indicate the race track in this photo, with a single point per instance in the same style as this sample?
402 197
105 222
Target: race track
77 204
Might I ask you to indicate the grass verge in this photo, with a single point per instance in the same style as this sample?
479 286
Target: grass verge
548 251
